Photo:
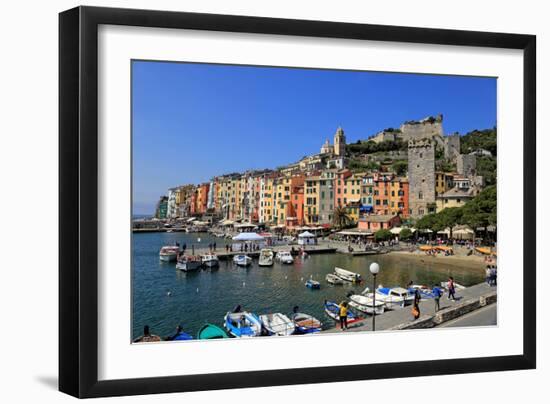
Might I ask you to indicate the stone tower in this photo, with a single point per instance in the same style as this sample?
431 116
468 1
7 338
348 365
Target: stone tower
452 146
466 165
339 142
421 155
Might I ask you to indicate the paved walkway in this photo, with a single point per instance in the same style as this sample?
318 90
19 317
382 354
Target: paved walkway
393 318
485 316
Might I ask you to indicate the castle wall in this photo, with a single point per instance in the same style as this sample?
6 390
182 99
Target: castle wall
466 165
452 146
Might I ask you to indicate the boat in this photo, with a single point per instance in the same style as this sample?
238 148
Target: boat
425 292
210 260
333 311
284 257
181 336
169 253
348 275
277 324
334 279
457 286
310 283
188 263
266 257
242 260
242 324
211 331
306 324
394 297
365 304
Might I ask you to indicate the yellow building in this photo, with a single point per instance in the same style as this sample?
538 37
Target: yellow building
311 200
282 199
443 182
352 195
454 198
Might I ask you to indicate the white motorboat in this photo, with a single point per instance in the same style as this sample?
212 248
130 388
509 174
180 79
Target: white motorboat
189 263
348 275
334 279
242 260
284 257
365 304
394 297
277 324
210 260
266 257
169 253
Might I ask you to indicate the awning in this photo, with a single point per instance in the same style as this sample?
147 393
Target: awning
306 234
248 237
395 230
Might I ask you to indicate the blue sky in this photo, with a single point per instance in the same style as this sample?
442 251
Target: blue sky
194 121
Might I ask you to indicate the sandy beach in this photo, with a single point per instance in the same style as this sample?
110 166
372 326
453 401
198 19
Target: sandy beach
472 262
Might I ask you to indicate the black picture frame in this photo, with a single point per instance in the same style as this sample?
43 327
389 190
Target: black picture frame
78 196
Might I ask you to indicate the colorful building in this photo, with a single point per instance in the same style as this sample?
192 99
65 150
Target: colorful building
443 182
373 223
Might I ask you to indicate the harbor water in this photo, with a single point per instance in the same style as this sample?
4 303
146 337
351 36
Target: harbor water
163 297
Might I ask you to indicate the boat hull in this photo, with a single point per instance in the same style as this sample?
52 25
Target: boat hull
168 257
277 324
188 266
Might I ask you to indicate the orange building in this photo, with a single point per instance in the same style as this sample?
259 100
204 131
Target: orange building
202 198
374 223
295 208
391 195
340 186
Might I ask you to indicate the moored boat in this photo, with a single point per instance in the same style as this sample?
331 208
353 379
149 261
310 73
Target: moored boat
277 324
310 283
348 275
334 279
266 257
211 331
284 257
365 304
188 263
242 260
333 311
242 324
306 324
169 253
210 260
394 297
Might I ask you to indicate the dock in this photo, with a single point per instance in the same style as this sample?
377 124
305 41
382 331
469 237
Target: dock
228 255
468 300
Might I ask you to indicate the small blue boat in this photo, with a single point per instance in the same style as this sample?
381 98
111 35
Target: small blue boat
310 283
182 336
242 324
333 311
306 324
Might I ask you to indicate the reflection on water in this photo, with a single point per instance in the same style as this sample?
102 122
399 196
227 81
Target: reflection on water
205 296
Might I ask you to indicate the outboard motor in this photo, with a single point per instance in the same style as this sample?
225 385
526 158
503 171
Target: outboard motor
237 309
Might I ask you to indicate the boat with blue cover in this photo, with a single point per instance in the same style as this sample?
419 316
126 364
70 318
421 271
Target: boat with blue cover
242 324
333 311
394 297
211 331
310 283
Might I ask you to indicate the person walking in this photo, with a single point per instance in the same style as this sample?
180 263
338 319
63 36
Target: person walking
343 315
416 306
436 291
451 288
488 275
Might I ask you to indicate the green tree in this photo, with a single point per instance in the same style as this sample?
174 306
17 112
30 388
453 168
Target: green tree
405 234
482 210
340 217
400 167
449 217
382 235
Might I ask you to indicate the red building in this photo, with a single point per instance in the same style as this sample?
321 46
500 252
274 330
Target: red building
374 223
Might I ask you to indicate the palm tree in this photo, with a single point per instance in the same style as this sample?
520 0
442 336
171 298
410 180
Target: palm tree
340 217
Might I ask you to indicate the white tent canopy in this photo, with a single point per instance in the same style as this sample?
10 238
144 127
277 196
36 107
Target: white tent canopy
306 234
395 230
248 237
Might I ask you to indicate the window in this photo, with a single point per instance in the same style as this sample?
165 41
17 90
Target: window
377 202
420 195
385 202
420 211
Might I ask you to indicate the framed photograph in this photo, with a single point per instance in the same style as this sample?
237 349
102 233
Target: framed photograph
251 202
